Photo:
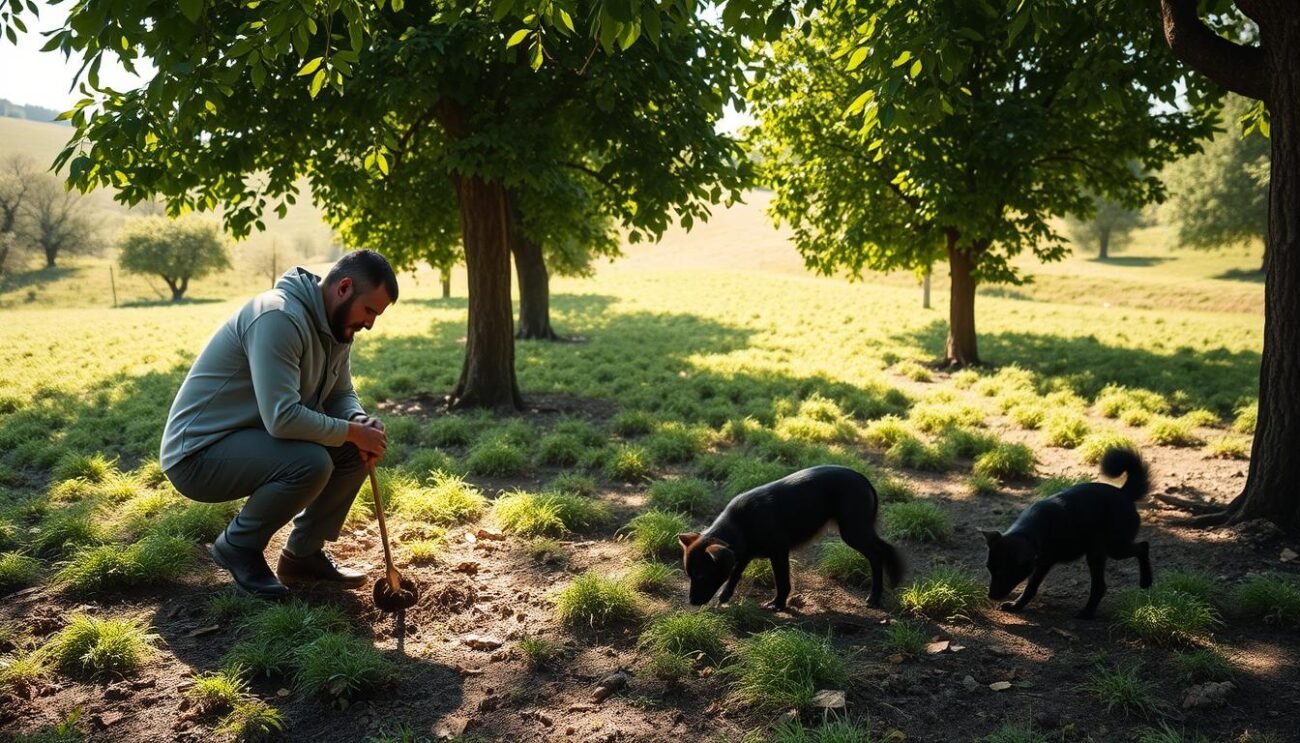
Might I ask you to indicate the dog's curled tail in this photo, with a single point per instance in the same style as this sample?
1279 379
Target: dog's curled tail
1122 460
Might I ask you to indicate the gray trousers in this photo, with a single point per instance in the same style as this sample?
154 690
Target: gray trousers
280 478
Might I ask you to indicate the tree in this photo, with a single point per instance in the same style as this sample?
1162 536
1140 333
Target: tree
16 173
1218 198
895 133
56 221
1108 226
177 250
1269 72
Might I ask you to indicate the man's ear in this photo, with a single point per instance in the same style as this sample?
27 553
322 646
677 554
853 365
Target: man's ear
688 538
723 556
991 537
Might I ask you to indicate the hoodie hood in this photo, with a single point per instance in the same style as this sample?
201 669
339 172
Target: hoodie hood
304 286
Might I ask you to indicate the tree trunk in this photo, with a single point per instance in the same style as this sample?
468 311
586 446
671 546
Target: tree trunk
925 288
445 275
534 284
50 254
961 349
1105 245
1272 488
487 379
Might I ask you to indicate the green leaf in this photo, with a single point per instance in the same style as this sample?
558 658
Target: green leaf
859 56
398 5
916 68
517 37
566 19
382 161
536 61
192 9
316 82
501 9
311 66
903 59
859 102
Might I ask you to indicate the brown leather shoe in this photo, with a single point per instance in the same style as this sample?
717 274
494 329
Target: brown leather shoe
315 567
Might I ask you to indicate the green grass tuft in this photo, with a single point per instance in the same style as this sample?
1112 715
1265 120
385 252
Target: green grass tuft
92 468
917 521
540 652
1006 462
17 571
1065 430
1096 444
632 423
216 692
831 730
628 464
496 457
915 454
153 560
449 430
894 490
1203 665
1273 598
1121 689
784 668
941 593
654 533
1015 733
685 495
1055 484
546 514
101 647
844 564
596 601
447 501
1229 447
905 637
676 443
574 484
688 633
650 577
1164 615
967 443
1246 418
560 450
252 721
748 474
341 667
982 484
1174 432
883 433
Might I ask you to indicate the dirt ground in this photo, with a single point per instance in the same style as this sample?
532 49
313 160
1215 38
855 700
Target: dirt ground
495 590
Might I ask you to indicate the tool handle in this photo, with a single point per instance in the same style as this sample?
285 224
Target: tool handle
394 580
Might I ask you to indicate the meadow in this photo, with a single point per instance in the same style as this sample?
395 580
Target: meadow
545 542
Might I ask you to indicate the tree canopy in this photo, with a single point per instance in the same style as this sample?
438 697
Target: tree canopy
177 250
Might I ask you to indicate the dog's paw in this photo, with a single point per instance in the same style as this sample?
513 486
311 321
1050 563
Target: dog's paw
1010 606
774 606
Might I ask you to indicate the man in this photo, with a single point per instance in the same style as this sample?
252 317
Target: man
268 412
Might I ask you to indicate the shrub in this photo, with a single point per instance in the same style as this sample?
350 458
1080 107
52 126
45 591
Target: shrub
629 464
1065 430
1174 432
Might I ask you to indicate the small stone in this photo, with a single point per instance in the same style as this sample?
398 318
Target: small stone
1000 685
282 693
105 719
937 647
1288 555
999 652
481 642
468 567
201 631
895 658
448 729
970 683
1213 694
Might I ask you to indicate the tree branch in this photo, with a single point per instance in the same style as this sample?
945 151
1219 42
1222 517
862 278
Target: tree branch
1241 69
589 171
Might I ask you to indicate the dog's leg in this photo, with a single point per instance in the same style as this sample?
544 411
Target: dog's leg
1097 567
780 574
863 544
1142 551
732 580
1031 589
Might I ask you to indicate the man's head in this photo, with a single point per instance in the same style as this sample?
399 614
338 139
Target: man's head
357 289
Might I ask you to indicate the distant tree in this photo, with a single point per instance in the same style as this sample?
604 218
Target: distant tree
177 250
1109 226
56 219
1218 198
897 133
16 172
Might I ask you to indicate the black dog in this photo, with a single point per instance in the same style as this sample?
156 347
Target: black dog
773 519
1093 519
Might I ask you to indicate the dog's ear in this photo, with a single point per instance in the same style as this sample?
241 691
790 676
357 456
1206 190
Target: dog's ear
688 538
991 537
723 556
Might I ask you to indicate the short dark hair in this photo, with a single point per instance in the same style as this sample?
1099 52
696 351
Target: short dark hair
367 269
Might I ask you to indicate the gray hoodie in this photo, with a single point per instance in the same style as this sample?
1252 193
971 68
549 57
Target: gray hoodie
273 365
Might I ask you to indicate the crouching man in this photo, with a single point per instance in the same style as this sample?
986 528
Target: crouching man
268 412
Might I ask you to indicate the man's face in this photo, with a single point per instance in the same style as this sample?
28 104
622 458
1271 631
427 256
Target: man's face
355 310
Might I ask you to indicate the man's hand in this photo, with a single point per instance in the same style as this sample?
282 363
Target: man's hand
369 437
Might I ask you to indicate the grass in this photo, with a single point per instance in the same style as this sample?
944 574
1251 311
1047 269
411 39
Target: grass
1015 732
1203 665
91 468
252 721
66 731
1272 598
1166 733
1164 615
1229 447
654 533
341 668
496 457
844 564
629 464
447 501
904 637
546 514
688 633
1095 445
425 551
784 668
913 371
273 636
1006 462
632 423
668 667
1120 689
92 646
1057 483
894 490
546 550
914 454
917 521
596 601
967 443
232 604
17 571
540 652
1174 432
560 450
884 432
684 495
942 592
574 483
676 443
982 484
450 430
1246 417
748 474
1065 430
651 577
67 529
831 730
217 692
153 560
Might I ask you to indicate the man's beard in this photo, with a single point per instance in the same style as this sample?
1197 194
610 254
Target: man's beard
338 320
